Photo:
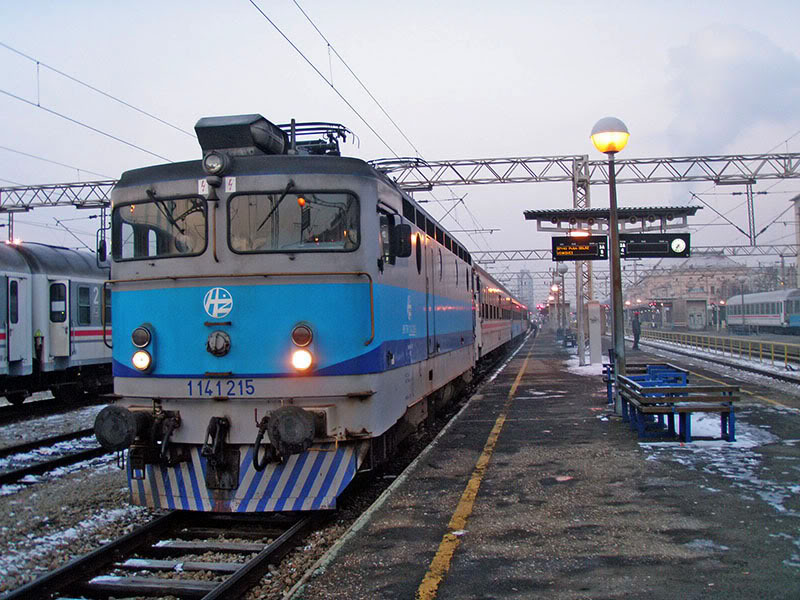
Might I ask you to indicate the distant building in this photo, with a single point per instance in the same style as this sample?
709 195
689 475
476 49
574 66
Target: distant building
686 294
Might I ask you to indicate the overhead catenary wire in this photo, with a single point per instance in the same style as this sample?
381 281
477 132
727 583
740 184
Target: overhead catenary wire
318 72
331 48
335 89
54 162
84 125
361 83
97 90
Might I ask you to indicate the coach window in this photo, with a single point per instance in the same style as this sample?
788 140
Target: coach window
455 264
84 308
441 268
107 315
300 221
13 302
58 302
159 227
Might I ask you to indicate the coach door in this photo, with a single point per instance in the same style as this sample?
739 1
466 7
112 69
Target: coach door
59 318
18 318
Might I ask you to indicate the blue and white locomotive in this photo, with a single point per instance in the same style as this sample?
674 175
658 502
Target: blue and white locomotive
283 317
51 329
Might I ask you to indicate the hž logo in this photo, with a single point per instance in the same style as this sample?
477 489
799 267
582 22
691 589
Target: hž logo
218 302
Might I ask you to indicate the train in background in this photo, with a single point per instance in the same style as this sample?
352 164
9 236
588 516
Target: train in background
51 329
283 318
773 312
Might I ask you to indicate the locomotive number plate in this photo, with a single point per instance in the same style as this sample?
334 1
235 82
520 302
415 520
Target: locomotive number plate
231 388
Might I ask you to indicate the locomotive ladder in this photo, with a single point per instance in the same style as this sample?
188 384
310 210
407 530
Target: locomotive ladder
158 547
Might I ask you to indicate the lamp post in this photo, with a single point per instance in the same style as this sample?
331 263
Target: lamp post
562 269
609 136
555 290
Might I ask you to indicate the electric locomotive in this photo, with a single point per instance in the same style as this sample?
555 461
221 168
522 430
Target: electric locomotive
51 331
283 316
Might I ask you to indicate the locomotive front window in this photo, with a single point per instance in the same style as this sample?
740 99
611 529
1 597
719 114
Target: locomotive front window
159 228
293 222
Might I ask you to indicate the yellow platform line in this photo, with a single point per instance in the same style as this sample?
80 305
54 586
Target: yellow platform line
753 394
440 564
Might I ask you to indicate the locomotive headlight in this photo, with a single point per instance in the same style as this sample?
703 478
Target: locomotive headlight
142 360
141 337
214 163
301 359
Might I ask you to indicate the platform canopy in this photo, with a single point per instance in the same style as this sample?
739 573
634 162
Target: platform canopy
595 220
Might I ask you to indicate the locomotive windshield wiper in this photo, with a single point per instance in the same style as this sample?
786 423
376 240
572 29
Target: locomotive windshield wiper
289 186
162 208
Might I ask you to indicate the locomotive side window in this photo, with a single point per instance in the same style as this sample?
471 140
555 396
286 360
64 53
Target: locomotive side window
13 302
385 241
419 254
296 222
157 228
84 308
58 302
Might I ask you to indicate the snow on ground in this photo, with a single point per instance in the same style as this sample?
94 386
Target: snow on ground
33 429
736 461
15 560
98 465
595 369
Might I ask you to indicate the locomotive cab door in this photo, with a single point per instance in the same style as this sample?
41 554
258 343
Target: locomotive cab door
17 318
59 317
430 300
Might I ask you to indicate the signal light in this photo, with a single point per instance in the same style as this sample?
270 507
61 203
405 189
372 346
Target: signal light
301 202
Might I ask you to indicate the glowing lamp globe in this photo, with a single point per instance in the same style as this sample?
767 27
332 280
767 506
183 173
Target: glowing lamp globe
609 135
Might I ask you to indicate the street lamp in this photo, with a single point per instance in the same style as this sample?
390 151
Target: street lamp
555 290
562 269
609 136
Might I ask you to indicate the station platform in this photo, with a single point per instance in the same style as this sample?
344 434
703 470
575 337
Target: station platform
536 490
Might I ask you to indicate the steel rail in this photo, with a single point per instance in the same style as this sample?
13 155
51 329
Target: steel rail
48 441
84 574
61 461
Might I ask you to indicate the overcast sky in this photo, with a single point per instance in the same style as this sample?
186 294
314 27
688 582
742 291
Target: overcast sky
462 79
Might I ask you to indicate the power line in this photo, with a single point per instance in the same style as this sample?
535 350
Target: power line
330 82
361 83
318 72
94 89
52 161
82 124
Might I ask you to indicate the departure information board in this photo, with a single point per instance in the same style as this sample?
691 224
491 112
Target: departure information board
654 245
592 247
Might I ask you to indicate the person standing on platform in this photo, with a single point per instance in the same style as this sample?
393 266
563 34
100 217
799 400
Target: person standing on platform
636 325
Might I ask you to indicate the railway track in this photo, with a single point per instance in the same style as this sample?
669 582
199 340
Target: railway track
178 554
45 407
70 458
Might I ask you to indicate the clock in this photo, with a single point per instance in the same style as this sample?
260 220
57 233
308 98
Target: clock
678 245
